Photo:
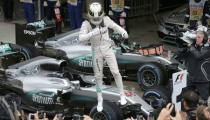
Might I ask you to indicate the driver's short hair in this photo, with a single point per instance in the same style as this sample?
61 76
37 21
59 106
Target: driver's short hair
191 98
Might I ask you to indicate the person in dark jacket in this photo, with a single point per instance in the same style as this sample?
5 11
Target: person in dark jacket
29 10
197 59
75 13
8 8
198 10
53 9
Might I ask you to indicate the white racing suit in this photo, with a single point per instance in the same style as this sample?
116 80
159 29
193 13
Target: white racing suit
102 50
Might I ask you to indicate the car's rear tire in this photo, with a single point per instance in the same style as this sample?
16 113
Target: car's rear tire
157 97
6 111
150 75
110 112
31 50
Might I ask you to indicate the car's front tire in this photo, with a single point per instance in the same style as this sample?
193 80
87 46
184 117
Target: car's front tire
157 97
150 75
110 112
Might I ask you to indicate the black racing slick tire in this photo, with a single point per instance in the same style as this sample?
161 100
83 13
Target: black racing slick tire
31 50
158 97
6 113
150 75
110 112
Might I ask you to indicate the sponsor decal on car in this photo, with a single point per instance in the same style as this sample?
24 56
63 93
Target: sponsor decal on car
28 32
41 97
85 63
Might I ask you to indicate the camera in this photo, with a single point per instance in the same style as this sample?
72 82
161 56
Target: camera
31 116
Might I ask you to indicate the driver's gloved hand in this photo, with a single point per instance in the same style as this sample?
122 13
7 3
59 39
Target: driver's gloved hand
95 31
103 30
110 13
125 35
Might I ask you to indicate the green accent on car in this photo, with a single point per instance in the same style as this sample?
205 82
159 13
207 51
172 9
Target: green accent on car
42 97
83 61
4 48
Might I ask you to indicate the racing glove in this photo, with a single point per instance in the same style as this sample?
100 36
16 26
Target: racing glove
86 36
125 35
110 13
94 32
103 30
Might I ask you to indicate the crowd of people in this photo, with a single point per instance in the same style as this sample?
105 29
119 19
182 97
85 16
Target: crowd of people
70 10
196 57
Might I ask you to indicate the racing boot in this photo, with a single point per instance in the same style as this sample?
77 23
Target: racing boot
123 100
100 102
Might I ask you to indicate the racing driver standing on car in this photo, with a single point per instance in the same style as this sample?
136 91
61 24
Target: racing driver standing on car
198 11
95 29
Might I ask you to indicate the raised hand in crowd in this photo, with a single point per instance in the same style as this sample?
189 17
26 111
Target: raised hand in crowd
165 113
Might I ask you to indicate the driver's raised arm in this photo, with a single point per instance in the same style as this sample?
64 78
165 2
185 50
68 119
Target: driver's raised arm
85 32
112 25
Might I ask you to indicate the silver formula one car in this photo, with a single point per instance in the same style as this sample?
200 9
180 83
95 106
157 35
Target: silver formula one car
166 30
147 70
40 84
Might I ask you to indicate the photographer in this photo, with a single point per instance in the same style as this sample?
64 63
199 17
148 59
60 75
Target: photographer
196 57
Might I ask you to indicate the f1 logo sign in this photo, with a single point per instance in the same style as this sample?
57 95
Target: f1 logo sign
179 82
179 78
